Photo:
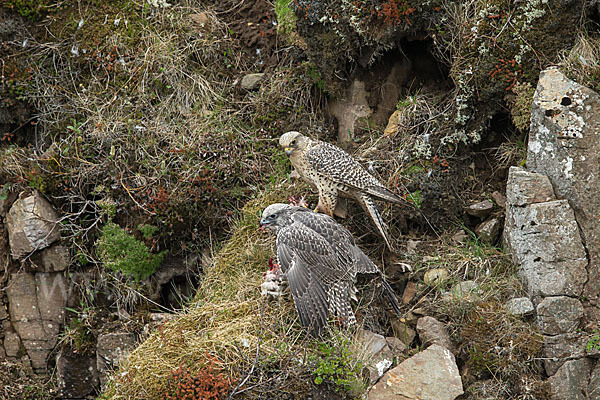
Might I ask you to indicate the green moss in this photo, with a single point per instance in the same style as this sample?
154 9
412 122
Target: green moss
31 9
121 252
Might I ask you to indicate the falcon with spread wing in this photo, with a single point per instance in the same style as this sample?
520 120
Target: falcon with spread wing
320 260
334 172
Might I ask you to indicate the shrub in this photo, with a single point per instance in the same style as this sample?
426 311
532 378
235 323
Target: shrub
120 251
208 384
336 365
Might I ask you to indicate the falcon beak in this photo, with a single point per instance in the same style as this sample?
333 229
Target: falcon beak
288 151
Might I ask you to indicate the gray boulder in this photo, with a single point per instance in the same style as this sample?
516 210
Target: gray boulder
571 380
111 349
564 144
543 237
429 375
558 315
520 306
252 81
32 224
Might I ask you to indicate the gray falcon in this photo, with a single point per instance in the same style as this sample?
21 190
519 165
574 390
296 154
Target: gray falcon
320 261
334 172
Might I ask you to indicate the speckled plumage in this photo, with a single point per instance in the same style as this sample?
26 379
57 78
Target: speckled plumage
333 172
320 260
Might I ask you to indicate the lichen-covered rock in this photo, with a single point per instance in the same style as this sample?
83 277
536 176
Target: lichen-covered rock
111 349
571 380
436 276
560 314
543 237
379 356
32 224
520 306
559 348
37 308
564 144
76 374
429 375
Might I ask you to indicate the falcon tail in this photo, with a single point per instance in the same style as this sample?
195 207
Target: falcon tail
368 203
389 292
384 194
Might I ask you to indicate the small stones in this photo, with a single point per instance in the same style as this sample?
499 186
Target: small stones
435 276
488 230
252 81
403 332
520 306
481 209
431 331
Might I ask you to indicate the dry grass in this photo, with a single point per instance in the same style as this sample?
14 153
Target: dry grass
253 339
582 62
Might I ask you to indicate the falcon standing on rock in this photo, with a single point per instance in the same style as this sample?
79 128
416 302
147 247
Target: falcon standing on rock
320 260
333 171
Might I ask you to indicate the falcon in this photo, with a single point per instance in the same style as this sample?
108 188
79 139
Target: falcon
320 260
334 172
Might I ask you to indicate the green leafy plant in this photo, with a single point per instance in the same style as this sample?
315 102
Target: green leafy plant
147 230
336 365
594 342
120 251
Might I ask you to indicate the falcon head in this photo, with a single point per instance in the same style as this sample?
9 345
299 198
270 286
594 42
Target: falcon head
293 140
276 216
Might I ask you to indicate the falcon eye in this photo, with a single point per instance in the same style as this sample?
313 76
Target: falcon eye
293 143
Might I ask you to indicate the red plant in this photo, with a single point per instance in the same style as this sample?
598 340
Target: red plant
396 11
210 383
509 69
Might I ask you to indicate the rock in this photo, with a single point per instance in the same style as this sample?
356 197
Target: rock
481 209
32 224
464 291
37 309
435 276
520 306
429 375
410 291
111 349
558 315
348 109
55 258
379 356
564 144
252 81
488 230
499 199
403 332
76 375
12 343
571 379
524 188
396 345
460 236
593 389
543 239
431 331
562 347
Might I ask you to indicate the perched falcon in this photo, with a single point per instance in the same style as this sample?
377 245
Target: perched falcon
333 171
320 260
